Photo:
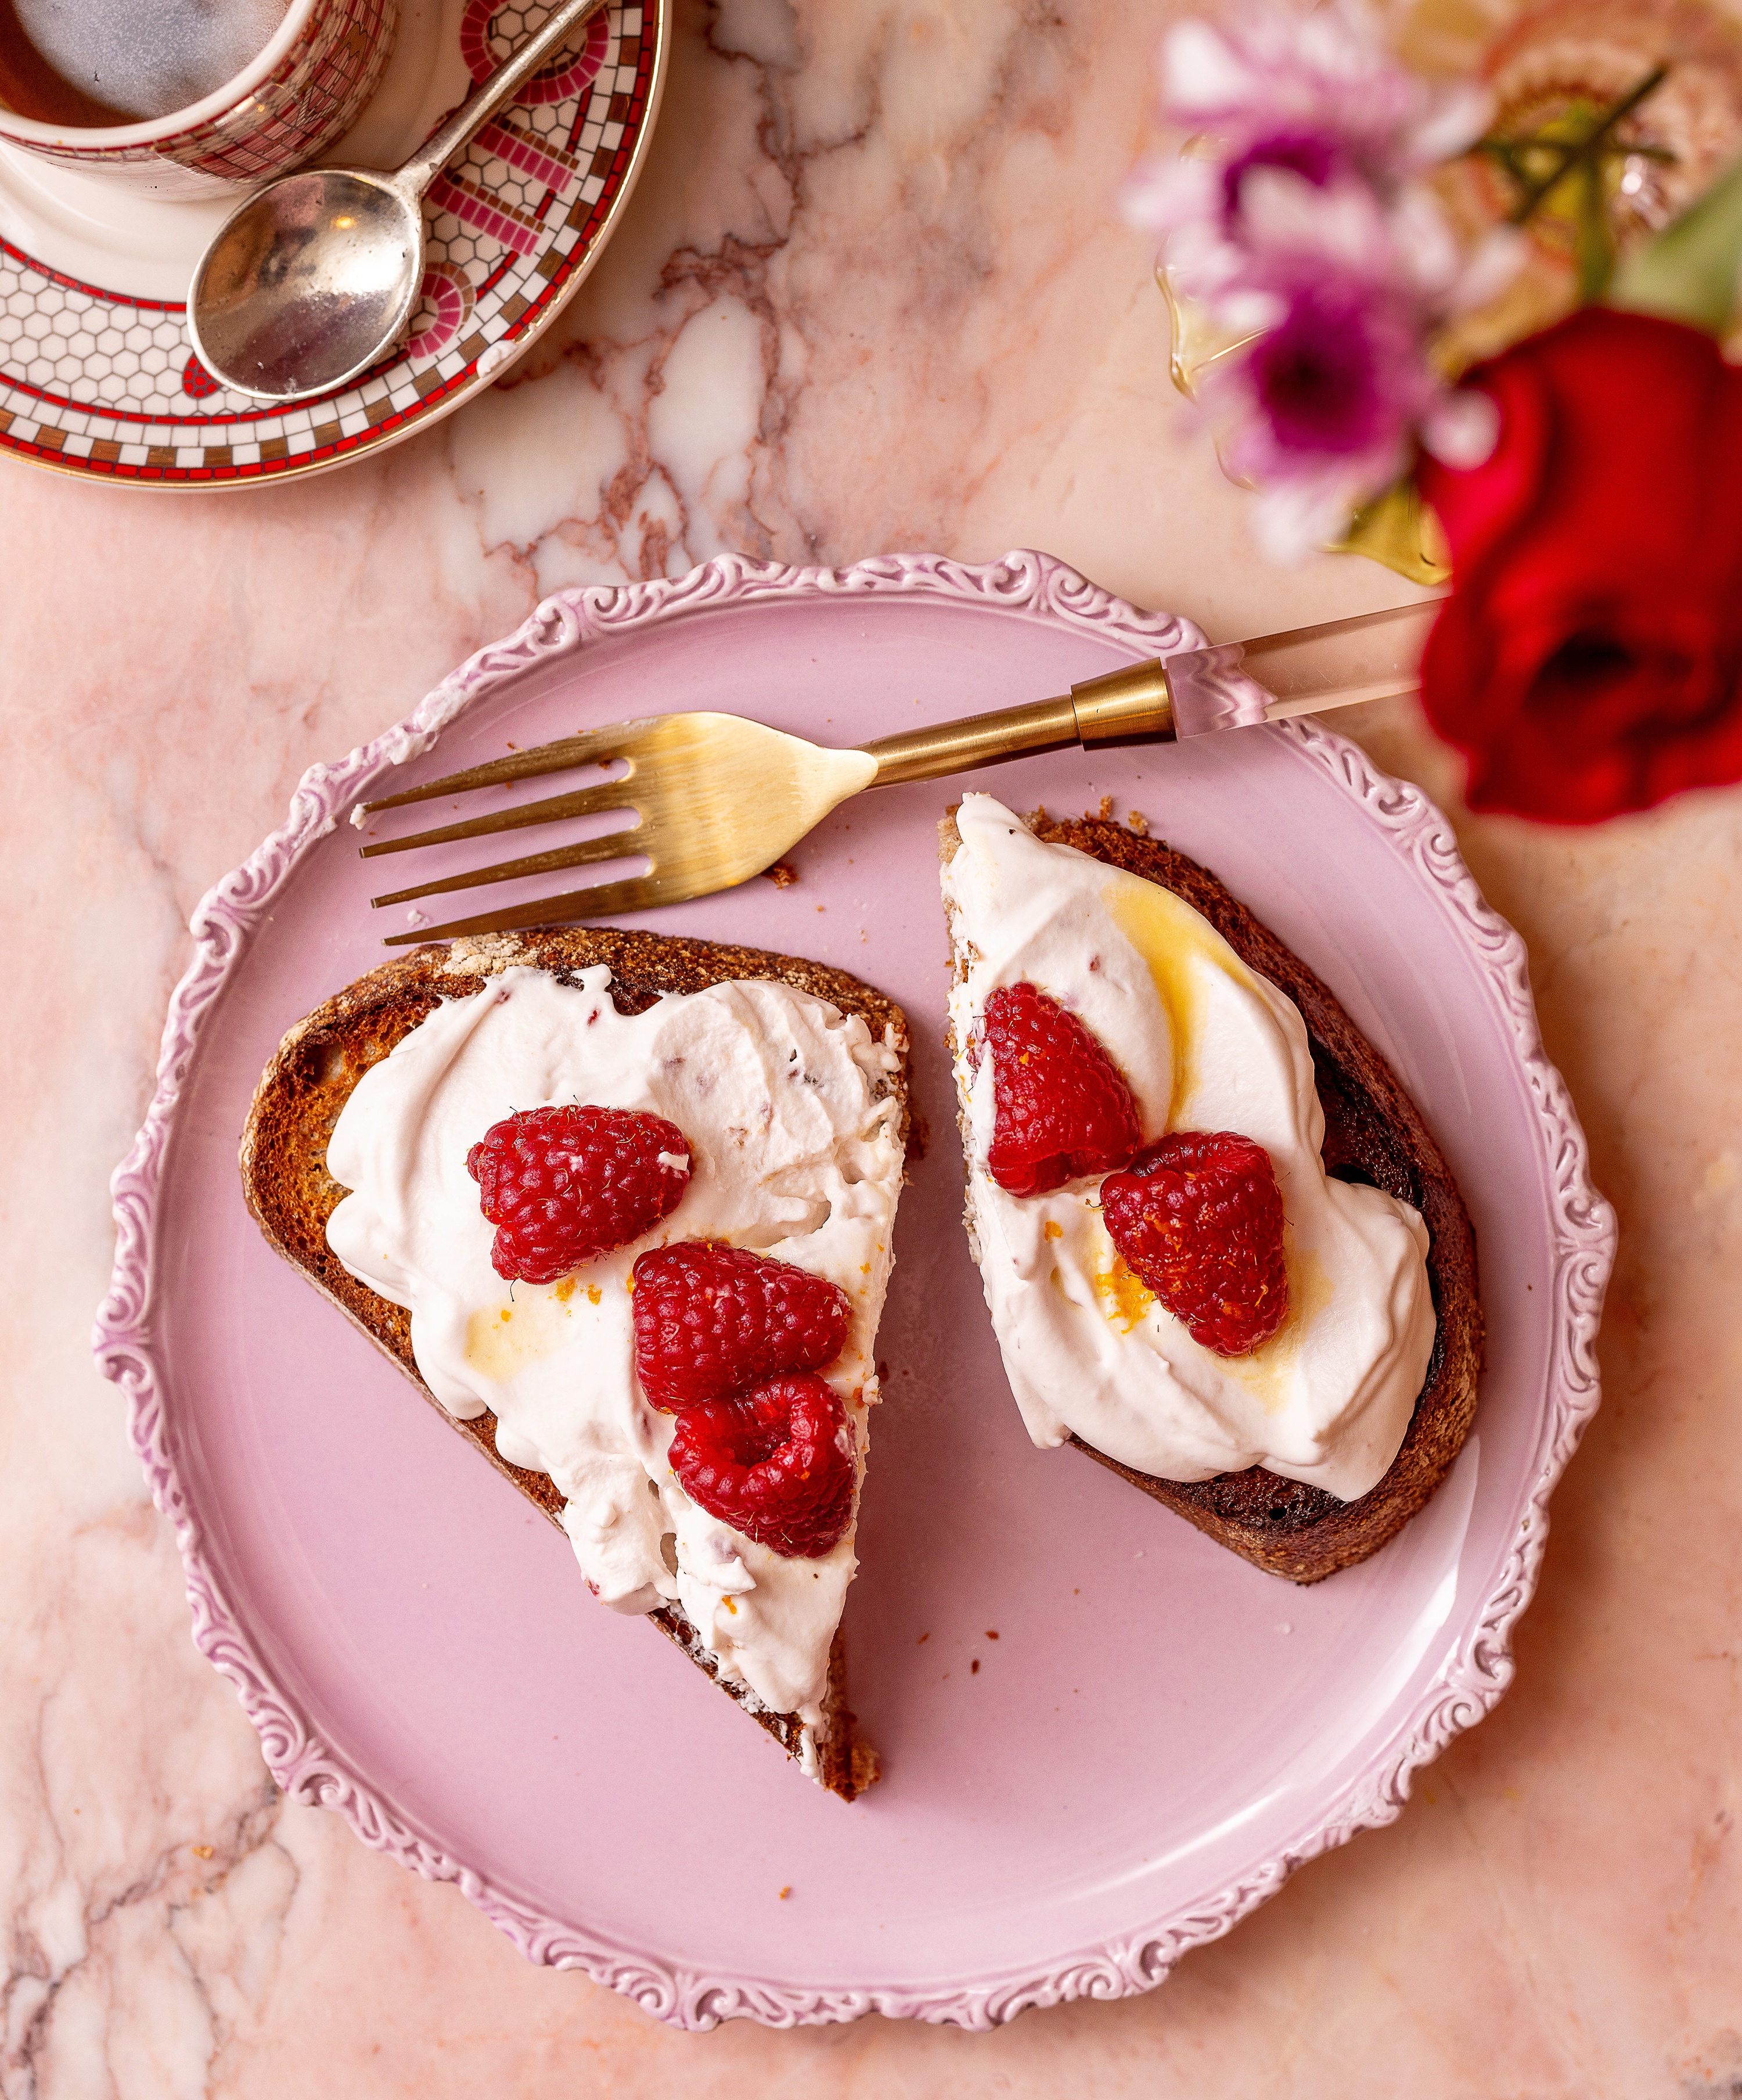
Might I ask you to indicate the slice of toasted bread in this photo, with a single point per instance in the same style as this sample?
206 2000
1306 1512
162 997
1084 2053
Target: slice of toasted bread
291 1194
1372 1133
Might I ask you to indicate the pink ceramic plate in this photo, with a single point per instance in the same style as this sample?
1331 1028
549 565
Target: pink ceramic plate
1158 1734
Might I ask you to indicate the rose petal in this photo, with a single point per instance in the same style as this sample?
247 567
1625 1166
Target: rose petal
1590 660
1478 507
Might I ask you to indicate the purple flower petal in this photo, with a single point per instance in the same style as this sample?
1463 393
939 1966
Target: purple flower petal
1316 378
1315 157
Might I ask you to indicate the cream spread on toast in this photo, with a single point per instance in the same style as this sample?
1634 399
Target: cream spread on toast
796 1143
1204 1044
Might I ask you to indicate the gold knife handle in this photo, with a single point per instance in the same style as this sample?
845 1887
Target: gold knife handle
1131 706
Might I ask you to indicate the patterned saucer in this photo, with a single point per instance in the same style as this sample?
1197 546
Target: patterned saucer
99 379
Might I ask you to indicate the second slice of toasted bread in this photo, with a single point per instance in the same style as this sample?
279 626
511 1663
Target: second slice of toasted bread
1372 1133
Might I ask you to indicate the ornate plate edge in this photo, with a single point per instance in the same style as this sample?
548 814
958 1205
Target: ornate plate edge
479 380
1462 1693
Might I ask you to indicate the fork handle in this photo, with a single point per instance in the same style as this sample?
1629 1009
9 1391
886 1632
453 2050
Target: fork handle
1129 706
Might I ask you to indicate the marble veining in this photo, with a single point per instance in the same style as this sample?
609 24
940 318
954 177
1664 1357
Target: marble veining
872 294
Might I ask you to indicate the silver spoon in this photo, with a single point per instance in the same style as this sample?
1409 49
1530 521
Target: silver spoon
312 279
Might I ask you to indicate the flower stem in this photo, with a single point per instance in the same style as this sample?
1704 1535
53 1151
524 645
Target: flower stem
1587 152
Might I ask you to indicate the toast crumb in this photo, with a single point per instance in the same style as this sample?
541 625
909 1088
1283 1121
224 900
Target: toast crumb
482 955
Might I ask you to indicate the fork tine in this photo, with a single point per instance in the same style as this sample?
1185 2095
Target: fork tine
597 747
604 900
583 802
615 846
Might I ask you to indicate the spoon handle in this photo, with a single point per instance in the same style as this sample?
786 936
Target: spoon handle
482 103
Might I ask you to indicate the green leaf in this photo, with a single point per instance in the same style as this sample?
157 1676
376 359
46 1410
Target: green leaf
1595 243
1689 273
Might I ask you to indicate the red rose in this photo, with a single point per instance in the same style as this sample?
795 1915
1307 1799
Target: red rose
1589 659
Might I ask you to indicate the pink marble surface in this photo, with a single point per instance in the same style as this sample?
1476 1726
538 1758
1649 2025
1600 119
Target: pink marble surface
871 296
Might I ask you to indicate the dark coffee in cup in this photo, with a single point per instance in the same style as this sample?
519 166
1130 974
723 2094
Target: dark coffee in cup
93 63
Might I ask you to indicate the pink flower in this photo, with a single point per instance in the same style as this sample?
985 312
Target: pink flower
1300 223
1316 96
1283 74
1324 408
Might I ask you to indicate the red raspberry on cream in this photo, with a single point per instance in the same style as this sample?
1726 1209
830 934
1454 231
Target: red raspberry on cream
711 1321
1198 1217
564 1185
1063 1108
776 1463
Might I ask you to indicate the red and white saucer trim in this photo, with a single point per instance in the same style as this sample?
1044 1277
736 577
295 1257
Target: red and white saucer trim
99 383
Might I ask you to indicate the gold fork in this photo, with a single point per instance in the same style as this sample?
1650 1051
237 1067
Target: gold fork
719 799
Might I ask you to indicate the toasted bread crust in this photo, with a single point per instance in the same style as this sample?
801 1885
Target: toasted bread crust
1374 1132
291 1195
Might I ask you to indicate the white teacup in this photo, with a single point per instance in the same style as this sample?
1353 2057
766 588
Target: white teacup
302 91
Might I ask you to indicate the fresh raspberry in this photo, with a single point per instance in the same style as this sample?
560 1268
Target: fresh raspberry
710 1320
1199 1217
1062 1107
562 1185
775 1463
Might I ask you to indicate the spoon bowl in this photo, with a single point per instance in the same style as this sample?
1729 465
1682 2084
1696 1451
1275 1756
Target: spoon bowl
308 283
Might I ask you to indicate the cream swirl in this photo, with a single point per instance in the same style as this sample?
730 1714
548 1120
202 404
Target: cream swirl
1206 1044
794 1136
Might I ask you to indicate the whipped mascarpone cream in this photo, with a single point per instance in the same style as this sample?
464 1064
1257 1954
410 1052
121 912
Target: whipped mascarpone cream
795 1138
1205 1043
